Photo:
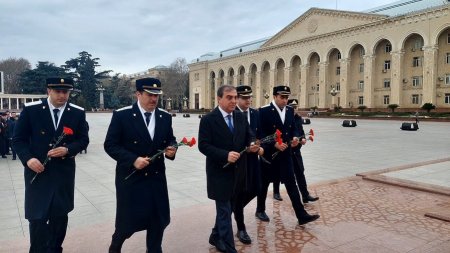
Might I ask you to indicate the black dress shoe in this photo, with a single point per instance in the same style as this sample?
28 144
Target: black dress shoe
310 198
308 218
262 216
277 196
244 237
219 244
4 156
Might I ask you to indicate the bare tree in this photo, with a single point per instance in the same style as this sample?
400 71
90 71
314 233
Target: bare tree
176 82
12 68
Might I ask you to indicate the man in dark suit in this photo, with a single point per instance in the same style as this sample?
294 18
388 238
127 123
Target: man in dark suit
297 159
135 134
223 133
49 188
277 115
248 179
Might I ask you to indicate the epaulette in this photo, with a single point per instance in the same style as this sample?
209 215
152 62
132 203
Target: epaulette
76 106
264 106
163 110
34 103
124 108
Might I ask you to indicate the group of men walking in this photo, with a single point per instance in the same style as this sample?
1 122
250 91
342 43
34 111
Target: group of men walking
7 124
239 166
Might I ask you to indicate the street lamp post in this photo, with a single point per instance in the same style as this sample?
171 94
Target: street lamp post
185 106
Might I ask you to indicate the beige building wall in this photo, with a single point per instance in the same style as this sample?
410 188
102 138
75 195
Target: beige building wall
382 60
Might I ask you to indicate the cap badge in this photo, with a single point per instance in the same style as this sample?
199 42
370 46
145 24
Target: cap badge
155 85
62 80
285 88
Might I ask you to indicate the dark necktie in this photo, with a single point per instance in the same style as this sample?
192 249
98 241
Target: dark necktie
230 124
147 117
55 115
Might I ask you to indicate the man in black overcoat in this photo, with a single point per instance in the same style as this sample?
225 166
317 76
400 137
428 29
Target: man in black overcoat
297 159
248 179
135 134
49 189
223 133
277 115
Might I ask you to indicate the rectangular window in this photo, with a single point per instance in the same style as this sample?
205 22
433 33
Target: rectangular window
448 38
387 83
447 98
317 87
447 79
417 61
361 53
416 81
418 44
387 65
361 85
338 70
386 100
339 55
415 99
388 48
338 86
447 58
361 68
360 100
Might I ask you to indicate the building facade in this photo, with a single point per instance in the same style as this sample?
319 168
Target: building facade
395 54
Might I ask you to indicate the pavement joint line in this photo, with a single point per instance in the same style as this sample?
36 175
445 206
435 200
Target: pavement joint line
16 200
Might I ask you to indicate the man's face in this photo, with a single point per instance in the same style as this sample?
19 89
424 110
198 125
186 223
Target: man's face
148 101
228 101
244 102
58 97
281 100
13 115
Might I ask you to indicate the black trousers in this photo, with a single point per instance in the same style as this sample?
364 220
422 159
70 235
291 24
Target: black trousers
238 203
153 240
293 193
276 186
48 235
299 171
223 229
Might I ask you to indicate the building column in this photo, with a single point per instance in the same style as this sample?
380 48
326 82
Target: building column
271 82
369 61
323 80
396 77
287 75
430 75
1 103
343 82
235 80
257 90
303 103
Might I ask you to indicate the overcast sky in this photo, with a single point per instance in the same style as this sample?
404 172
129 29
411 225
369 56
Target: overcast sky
130 36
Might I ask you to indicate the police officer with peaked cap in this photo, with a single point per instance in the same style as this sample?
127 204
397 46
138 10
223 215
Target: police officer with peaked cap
49 189
136 133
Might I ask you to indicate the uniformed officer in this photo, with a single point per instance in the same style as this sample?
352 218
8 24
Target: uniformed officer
135 134
297 159
248 179
277 115
50 196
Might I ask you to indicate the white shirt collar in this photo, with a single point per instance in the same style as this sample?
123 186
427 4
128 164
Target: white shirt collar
60 113
224 113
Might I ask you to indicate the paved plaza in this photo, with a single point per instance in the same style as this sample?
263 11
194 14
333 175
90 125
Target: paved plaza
357 215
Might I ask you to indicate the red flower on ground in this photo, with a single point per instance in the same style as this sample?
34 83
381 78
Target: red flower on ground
311 132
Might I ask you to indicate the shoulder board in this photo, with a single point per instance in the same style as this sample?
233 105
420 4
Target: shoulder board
265 106
288 106
124 108
34 103
163 110
76 106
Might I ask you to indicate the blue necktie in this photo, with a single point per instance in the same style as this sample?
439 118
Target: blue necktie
55 116
147 117
230 124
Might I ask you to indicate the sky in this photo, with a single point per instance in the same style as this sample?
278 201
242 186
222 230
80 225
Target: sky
134 35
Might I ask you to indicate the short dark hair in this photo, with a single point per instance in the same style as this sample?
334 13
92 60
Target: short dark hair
225 88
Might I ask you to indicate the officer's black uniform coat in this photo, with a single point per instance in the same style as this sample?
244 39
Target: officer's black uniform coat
281 166
215 141
143 195
52 190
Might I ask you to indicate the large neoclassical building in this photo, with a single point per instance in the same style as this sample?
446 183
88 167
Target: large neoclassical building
395 54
